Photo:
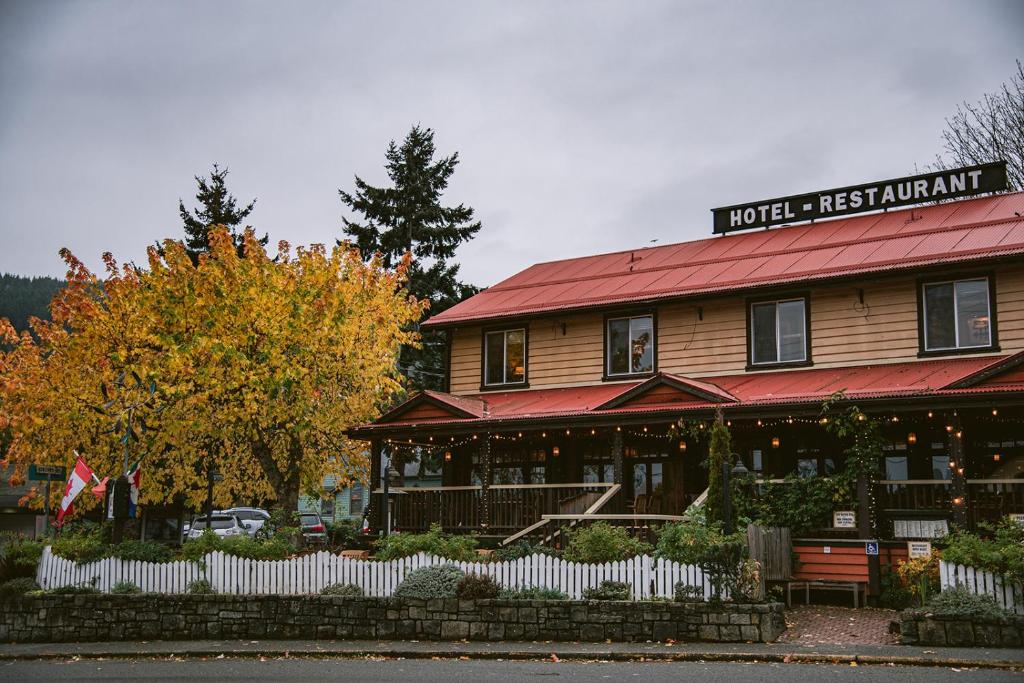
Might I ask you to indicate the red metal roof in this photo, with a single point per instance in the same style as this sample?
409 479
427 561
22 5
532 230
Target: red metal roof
780 388
970 230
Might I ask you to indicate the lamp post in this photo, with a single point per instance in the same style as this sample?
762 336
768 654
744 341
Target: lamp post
737 470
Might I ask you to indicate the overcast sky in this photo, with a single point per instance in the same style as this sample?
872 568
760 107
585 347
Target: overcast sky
582 127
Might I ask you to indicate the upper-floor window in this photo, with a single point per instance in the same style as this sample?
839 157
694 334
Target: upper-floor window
505 357
957 315
778 331
629 346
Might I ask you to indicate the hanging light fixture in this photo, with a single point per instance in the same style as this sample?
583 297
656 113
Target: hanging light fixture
996 457
995 411
911 438
555 451
682 446
447 456
775 442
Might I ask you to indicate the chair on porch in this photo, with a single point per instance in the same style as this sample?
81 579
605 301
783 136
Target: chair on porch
640 504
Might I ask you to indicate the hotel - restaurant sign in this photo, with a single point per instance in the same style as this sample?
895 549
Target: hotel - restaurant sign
886 194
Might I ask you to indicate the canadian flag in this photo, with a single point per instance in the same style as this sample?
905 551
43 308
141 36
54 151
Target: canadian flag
79 479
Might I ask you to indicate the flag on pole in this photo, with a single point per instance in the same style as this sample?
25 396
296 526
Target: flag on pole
79 479
134 475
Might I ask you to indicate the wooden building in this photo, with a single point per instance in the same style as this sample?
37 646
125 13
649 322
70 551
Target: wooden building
565 378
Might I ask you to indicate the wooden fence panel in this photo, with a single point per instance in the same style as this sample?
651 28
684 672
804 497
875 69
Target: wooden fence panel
1006 593
311 573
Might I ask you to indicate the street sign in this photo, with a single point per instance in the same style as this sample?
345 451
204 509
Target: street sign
47 473
871 547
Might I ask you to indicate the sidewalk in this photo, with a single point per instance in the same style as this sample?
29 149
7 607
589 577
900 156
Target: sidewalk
738 652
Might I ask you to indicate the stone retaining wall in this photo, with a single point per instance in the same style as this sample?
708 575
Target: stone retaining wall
70 618
921 628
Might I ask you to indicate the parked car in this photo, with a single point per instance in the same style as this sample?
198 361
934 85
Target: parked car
313 529
253 519
222 524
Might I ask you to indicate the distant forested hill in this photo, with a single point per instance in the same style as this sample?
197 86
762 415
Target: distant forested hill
21 297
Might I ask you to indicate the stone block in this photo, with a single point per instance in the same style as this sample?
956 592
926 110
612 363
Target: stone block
454 630
495 631
987 635
751 633
592 633
931 632
664 630
1010 636
708 632
959 633
729 633
478 630
739 619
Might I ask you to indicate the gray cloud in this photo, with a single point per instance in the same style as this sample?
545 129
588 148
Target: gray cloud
582 126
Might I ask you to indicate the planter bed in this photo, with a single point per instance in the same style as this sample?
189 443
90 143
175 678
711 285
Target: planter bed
73 618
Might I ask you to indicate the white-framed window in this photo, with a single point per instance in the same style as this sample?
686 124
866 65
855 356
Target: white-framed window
505 357
778 331
629 344
957 314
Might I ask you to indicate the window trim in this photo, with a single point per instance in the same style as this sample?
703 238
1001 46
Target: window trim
525 384
921 283
780 298
619 315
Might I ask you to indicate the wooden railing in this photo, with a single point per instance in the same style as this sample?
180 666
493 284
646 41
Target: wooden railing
461 508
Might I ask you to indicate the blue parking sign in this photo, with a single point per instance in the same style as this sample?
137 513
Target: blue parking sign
871 548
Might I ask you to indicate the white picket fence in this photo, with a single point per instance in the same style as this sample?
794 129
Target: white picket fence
1007 594
311 573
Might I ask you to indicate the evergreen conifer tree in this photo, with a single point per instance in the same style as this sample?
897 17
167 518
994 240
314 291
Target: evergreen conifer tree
216 207
408 217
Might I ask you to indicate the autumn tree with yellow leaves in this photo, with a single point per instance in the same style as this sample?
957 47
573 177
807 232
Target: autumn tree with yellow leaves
259 364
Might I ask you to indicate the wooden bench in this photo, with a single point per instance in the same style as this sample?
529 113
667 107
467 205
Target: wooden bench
854 586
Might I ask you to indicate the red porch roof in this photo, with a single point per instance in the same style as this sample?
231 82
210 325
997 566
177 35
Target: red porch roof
964 231
919 379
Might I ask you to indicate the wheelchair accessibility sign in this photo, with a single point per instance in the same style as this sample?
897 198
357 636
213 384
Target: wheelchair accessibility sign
871 548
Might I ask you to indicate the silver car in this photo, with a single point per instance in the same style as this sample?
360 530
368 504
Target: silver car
223 525
253 519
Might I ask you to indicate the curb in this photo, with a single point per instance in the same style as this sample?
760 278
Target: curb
525 655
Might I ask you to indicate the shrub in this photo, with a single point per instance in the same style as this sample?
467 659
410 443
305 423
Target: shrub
920 576
278 547
431 582
520 549
478 587
343 590
532 593
143 551
609 590
434 542
19 556
1002 553
19 586
686 593
959 602
341 535
80 546
602 542
201 587
125 588
720 556
894 594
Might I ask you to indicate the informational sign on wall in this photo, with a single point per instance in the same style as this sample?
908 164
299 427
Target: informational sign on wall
844 519
884 194
917 549
871 548
1017 517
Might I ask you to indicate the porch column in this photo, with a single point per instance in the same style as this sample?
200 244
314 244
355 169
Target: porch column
618 467
485 484
376 500
958 487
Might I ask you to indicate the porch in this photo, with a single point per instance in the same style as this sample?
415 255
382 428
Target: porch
520 464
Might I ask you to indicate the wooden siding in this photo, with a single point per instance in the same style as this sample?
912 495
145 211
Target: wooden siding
708 337
845 561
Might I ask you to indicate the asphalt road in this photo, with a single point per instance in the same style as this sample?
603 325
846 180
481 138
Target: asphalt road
425 671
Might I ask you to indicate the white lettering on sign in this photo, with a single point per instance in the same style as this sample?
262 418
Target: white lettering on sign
844 519
916 549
